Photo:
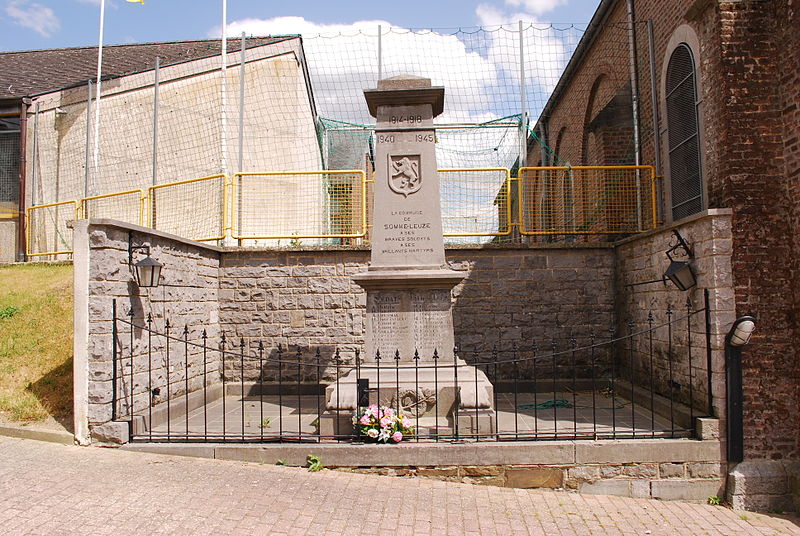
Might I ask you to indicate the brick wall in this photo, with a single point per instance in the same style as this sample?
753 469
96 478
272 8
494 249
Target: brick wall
746 55
754 181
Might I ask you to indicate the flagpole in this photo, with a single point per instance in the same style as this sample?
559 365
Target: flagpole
97 94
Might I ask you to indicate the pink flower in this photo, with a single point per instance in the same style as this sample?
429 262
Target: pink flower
397 437
388 412
373 410
364 419
406 423
386 421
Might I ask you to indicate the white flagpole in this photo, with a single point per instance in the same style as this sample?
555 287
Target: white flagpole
97 94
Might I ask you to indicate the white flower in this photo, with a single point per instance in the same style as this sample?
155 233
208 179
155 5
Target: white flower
373 433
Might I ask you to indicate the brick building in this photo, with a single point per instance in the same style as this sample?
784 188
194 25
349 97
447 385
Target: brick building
716 95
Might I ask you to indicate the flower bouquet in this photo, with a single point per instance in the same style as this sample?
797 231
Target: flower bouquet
382 424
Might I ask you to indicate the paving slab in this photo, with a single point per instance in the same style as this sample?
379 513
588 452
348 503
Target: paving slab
47 488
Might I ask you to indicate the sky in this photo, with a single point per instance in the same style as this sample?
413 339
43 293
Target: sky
38 24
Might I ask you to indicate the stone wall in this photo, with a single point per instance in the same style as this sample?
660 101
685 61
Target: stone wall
642 258
510 298
187 297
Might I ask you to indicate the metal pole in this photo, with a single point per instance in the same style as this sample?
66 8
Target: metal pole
523 117
241 106
634 70
88 137
651 51
97 91
35 163
224 87
155 121
380 53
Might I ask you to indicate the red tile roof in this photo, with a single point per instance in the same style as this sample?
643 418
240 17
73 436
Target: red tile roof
33 72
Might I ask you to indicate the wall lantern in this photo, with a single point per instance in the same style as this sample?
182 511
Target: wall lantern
679 272
147 270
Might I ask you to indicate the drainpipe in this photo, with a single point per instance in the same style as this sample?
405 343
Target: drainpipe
23 171
738 336
634 74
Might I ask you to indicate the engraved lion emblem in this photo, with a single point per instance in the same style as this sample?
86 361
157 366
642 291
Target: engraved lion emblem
404 174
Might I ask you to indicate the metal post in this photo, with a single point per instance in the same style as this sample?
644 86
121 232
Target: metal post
634 76
708 352
35 162
155 121
651 50
380 53
88 138
733 384
241 105
523 116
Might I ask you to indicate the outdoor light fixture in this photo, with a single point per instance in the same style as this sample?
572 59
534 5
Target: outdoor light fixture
679 272
147 270
737 336
740 332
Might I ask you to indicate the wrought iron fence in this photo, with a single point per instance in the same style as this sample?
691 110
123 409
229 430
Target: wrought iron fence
648 379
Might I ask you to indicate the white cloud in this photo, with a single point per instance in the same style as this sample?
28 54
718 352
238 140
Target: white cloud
343 60
37 17
537 7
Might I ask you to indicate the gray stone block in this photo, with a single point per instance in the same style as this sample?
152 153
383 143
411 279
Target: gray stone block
618 487
758 477
113 432
686 490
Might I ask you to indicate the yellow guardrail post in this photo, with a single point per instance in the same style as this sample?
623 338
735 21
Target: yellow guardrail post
239 235
605 230
506 188
29 238
153 201
84 210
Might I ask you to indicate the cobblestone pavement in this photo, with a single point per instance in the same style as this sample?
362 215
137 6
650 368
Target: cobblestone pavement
47 488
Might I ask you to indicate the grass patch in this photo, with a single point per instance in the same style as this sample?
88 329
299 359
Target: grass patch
35 342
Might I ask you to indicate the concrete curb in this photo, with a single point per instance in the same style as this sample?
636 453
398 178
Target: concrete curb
51 436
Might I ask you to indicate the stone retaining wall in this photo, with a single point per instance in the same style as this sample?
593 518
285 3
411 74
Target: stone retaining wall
510 297
187 297
642 258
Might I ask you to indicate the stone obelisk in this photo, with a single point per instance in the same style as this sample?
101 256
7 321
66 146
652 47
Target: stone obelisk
408 283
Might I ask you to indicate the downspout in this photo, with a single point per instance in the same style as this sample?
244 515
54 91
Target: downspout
23 171
634 74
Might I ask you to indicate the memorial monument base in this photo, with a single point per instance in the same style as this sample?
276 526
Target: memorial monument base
431 395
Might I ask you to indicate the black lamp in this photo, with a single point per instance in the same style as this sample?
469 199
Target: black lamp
147 270
680 272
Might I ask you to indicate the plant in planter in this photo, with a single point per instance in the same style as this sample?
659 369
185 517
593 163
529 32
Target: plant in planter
382 424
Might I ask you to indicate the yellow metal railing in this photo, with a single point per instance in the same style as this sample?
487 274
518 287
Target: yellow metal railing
128 206
47 232
298 205
475 201
585 200
335 204
194 208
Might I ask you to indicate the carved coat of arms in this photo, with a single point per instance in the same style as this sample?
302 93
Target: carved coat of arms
404 177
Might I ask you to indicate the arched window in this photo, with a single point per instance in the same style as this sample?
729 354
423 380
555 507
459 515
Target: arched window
683 141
